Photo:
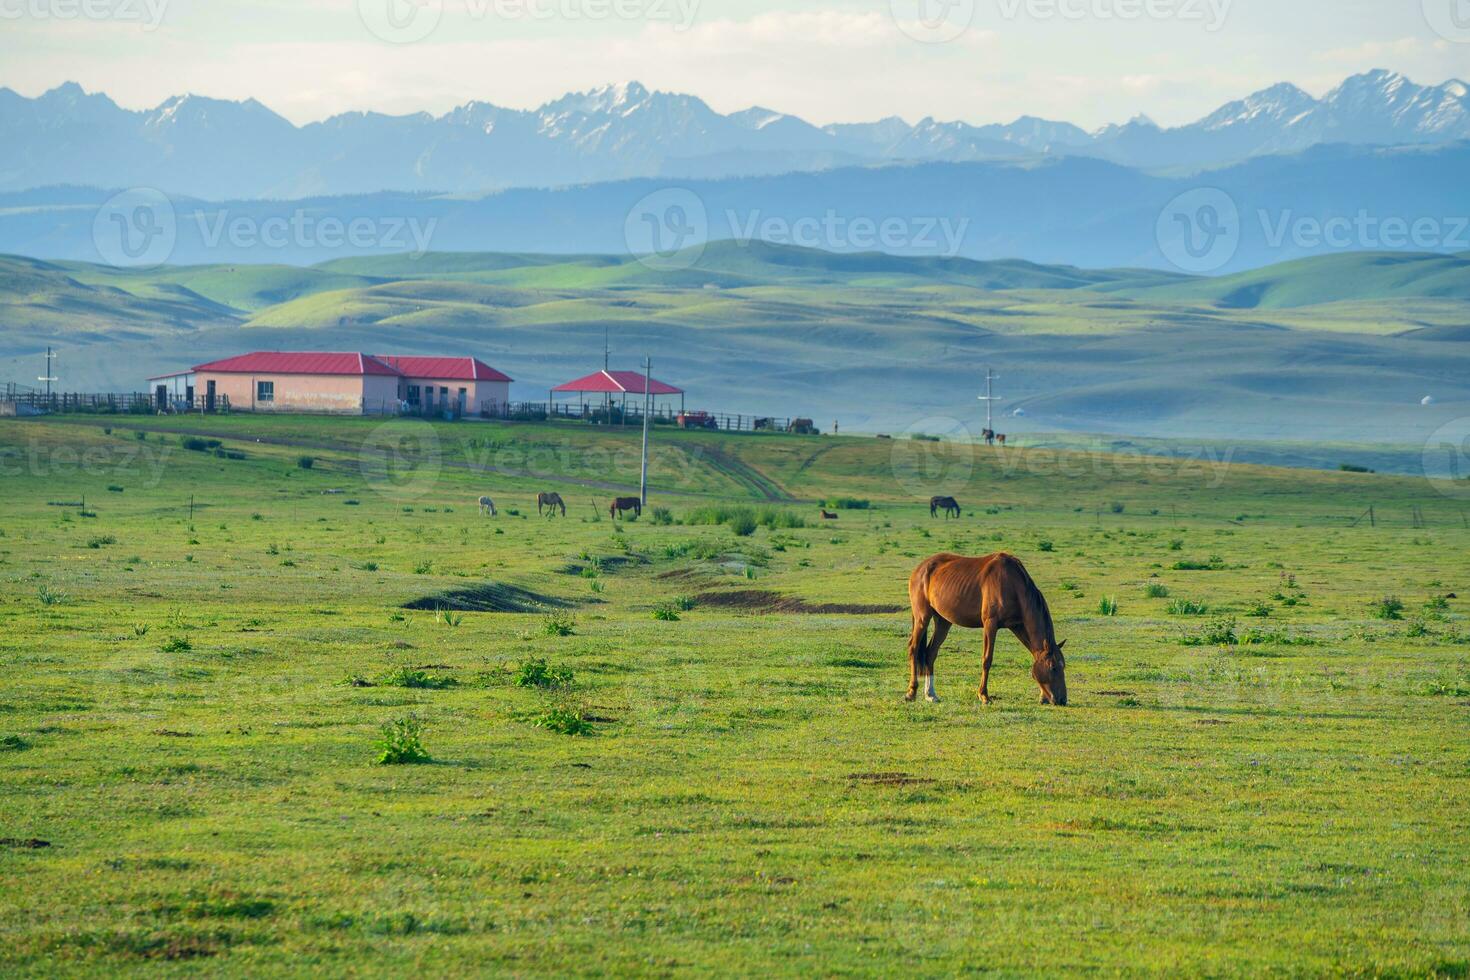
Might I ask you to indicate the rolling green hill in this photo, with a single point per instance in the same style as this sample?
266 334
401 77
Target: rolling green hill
1325 279
1340 349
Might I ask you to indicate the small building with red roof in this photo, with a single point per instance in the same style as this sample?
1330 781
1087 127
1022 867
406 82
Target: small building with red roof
345 383
615 385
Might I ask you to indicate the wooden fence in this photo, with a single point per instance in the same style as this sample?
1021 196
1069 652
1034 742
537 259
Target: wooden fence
15 402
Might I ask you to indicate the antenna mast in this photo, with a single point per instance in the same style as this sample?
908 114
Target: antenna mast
989 398
48 377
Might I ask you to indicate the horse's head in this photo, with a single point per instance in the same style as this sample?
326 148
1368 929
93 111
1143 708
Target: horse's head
1050 673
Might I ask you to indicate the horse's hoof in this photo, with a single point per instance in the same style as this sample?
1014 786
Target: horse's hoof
909 696
984 699
932 698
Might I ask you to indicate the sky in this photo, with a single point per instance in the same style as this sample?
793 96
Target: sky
1090 62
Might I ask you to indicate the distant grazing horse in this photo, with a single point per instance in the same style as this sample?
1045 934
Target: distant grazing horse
982 593
988 435
827 515
551 501
623 504
949 505
1001 438
487 506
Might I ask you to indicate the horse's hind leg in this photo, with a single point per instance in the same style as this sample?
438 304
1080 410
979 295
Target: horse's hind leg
931 653
917 646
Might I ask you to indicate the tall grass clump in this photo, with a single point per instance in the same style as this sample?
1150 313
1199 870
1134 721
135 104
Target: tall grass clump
1156 590
401 742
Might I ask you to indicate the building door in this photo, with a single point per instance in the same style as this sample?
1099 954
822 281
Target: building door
160 395
209 396
463 398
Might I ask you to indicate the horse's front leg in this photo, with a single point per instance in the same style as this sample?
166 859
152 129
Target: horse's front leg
989 656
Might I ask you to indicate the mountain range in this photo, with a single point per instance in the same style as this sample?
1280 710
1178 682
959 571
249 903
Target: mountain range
1329 199
225 150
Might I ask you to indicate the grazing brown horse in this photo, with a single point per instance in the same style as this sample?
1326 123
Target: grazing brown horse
982 593
551 501
949 505
622 504
1002 437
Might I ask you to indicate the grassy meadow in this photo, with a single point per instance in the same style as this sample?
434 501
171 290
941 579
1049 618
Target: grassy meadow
677 745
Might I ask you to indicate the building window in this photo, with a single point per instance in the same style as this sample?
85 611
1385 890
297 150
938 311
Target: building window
413 394
265 391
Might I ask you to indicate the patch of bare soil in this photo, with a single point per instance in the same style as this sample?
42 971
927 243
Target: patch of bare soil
489 597
887 778
766 601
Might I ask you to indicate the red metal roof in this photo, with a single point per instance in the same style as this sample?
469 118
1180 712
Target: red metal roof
617 383
309 362
443 368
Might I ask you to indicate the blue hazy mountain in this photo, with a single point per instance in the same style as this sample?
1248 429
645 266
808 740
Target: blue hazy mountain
222 150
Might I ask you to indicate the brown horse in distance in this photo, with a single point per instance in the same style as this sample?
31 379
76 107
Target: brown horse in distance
622 504
982 593
949 505
551 501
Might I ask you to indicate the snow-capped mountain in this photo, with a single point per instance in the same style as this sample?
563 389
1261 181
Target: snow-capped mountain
219 149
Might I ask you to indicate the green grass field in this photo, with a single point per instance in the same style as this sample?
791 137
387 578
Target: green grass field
669 747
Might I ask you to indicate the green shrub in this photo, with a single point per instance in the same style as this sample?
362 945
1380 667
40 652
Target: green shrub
114 488
781 520
1213 564
1117 507
195 444
848 503
1219 632
402 742
538 673
305 462
744 525
558 624
1045 546
1107 606
666 612
416 679
100 542
564 721
177 644
13 743
1389 607
1156 590
683 603
662 516
1186 607
1258 610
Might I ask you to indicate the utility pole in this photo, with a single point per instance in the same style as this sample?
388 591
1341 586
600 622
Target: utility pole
643 476
989 398
47 377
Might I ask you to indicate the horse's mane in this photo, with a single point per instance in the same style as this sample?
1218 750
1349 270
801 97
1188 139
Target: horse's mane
1036 599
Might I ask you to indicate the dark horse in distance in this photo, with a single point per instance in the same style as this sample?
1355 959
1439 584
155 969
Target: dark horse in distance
949 505
623 504
982 593
551 501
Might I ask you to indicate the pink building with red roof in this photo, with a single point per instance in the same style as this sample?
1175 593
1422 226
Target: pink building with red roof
346 383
